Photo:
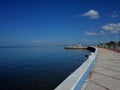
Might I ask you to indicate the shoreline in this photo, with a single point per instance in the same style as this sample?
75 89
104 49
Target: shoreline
76 79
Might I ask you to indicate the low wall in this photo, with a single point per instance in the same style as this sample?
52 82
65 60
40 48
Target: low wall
77 78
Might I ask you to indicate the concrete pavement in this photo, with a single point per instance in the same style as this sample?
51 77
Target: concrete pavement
105 74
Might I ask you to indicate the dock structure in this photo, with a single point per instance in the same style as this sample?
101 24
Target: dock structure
105 74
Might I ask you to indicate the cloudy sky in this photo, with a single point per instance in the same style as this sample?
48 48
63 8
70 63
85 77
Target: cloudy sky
45 21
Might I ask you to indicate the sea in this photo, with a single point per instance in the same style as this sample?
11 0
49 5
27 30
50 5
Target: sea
37 68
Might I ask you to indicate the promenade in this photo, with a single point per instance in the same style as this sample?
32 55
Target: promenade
105 74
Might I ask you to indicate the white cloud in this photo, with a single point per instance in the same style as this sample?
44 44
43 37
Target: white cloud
92 14
112 27
113 32
90 33
36 41
114 14
39 41
102 32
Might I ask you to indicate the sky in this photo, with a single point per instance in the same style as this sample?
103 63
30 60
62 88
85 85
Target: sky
59 21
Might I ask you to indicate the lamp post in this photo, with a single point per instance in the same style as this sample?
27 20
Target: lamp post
117 40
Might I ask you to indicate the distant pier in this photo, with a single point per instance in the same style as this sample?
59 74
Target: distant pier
77 47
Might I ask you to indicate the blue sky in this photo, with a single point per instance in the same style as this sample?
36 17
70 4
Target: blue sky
63 21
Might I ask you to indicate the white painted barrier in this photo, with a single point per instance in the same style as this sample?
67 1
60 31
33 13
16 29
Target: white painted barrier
77 78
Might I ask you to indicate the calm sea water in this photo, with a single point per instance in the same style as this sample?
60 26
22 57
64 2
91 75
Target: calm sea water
38 68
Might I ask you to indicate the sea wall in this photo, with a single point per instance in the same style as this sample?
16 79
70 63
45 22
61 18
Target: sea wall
77 78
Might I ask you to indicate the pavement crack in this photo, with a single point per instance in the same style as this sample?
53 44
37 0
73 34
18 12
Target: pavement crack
100 85
110 69
107 75
98 63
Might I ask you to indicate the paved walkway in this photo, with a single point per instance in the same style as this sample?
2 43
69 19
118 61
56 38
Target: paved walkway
106 72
